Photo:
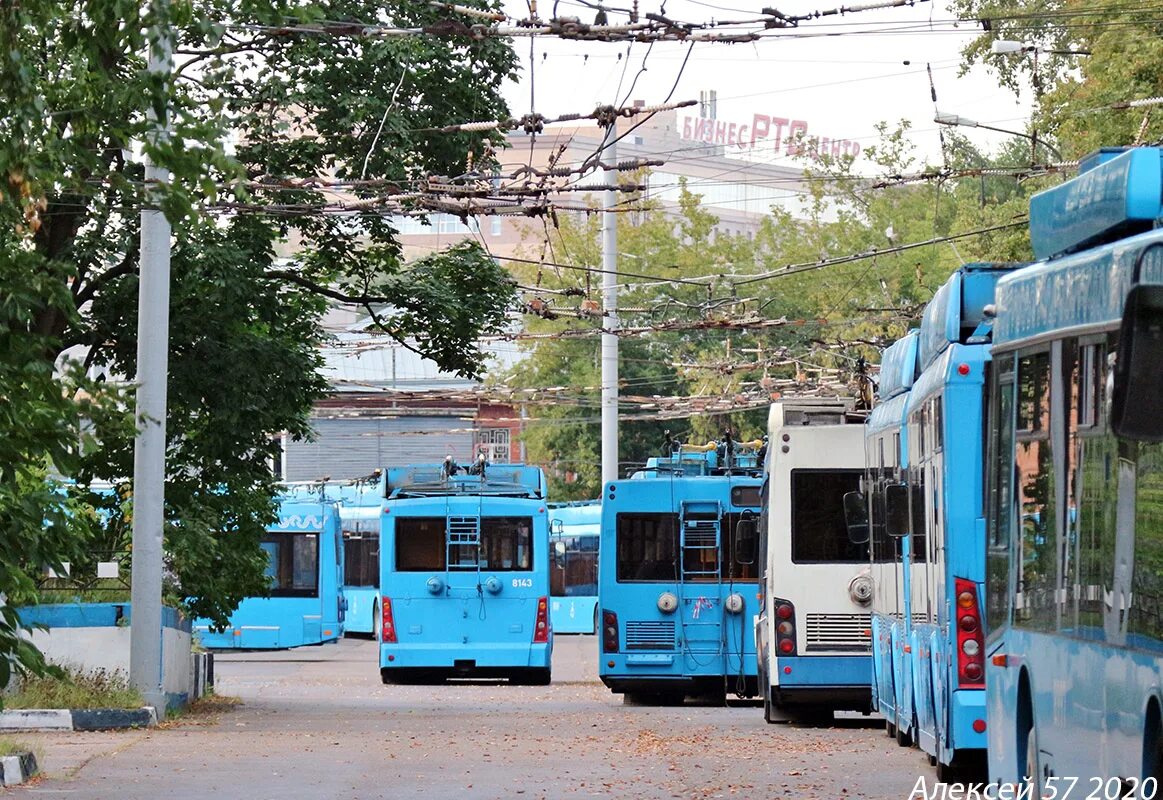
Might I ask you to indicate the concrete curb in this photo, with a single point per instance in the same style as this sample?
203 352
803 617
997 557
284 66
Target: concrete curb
17 768
80 719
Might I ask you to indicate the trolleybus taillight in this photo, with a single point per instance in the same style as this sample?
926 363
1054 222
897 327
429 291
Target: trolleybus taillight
388 628
541 631
609 632
970 658
785 626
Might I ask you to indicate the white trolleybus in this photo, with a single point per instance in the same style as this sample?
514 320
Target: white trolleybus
812 631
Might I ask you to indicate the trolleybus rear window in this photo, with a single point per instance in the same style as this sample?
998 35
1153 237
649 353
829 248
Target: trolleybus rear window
506 544
293 563
647 544
818 532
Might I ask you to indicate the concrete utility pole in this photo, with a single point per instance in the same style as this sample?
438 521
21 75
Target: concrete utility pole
153 328
610 317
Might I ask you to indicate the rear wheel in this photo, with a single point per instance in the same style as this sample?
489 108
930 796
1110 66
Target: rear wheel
597 616
903 739
890 729
1033 771
377 621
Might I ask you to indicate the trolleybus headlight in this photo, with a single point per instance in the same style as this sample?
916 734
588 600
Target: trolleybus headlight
493 585
435 585
667 602
734 603
970 647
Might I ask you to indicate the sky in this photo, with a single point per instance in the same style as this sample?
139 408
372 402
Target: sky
840 75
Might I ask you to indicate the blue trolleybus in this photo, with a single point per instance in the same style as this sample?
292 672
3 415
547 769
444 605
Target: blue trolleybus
359 515
305 567
677 580
812 624
464 574
1074 559
886 459
939 508
574 533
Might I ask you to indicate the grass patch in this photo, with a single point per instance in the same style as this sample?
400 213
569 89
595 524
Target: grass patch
10 747
76 689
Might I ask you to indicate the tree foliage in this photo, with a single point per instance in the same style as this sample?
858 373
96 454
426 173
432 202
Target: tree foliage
255 100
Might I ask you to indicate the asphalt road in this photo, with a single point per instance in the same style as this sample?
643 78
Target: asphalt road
317 723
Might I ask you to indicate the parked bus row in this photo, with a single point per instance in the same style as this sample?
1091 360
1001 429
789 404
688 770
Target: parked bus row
1012 483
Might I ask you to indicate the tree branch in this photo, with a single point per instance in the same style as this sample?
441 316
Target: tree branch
357 300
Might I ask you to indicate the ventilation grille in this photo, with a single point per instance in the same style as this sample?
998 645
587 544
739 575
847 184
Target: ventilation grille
650 635
701 533
846 632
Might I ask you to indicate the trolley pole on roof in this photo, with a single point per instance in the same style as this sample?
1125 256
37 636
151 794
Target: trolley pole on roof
153 325
610 317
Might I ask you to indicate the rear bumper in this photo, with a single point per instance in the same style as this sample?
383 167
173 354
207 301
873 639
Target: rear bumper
841 682
465 659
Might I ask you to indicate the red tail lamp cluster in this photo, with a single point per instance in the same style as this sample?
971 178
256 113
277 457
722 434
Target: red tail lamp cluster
785 627
541 631
970 637
388 628
609 632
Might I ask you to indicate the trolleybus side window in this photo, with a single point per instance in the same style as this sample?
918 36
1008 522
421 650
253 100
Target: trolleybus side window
420 544
293 565
1037 562
1001 477
818 530
647 545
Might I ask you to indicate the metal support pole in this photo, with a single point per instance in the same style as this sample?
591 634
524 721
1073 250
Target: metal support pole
153 325
610 317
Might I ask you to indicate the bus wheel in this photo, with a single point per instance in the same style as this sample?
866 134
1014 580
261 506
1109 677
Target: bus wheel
1032 776
377 622
903 739
597 616
890 729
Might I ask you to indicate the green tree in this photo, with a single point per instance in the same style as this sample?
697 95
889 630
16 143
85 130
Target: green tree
264 92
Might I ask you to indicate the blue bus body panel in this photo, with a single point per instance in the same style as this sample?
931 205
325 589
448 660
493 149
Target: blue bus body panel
832 671
1109 197
1091 724
464 620
1080 292
282 622
943 709
898 367
362 605
699 640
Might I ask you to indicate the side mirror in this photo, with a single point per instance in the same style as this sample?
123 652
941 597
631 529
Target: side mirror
746 536
1136 409
556 526
896 502
856 517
